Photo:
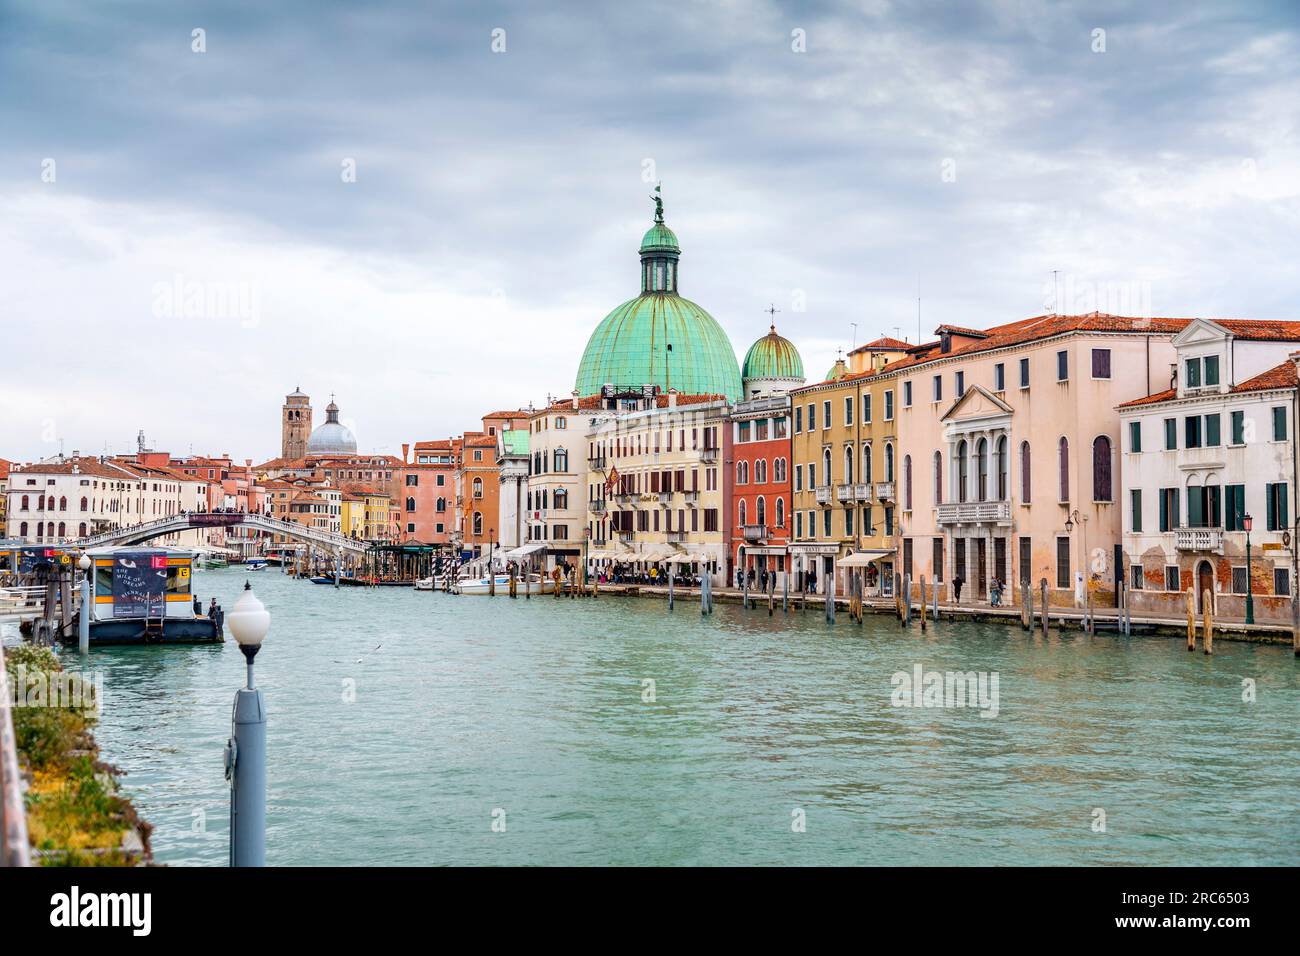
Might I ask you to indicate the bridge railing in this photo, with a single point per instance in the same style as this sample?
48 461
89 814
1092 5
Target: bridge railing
14 847
181 522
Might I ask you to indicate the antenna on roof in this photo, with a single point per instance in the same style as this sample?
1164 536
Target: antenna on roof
1056 293
855 334
918 308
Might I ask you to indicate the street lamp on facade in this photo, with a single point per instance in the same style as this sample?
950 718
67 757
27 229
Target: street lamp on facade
1073 518
1247 523
246 750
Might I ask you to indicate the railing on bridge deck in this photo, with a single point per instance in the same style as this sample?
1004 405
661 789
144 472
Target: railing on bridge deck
209 519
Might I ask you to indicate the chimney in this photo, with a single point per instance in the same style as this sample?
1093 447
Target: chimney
406 450
672 398
575 399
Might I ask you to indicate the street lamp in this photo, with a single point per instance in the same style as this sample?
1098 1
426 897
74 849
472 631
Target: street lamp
83 623
1082 519
1247 523
246 750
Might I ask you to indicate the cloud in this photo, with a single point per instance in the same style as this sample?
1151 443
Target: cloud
499 198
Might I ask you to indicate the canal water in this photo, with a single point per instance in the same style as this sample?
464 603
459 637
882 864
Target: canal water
403 724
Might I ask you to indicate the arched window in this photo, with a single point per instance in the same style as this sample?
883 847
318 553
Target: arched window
478 523
826 465
410 504
907 482
40 503
63 503
1025 485
779 471
760 512
963 469
889 462
982 470
1063 456
741 513
760 471
22 530
848 464
780 512
866 462
938 478
561 499
442 505
49 525
478 488
740 473
81 530
1002 467
1101 483
561 460
63 529
26 503
84 502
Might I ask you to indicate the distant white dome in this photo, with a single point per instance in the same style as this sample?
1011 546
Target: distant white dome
331 438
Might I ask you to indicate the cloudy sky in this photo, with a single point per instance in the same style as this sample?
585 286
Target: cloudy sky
180 244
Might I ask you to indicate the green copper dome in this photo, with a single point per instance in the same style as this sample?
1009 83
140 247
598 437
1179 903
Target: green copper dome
837 372
660 338
772 356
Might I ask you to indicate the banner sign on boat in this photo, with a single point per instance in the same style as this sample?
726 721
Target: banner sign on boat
139 584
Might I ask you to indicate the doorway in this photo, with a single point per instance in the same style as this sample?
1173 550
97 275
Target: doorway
1204 582
981 570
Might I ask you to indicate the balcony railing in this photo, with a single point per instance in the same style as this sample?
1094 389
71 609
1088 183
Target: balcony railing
676 537
626 536
597 506
755 532
860 491
971 512
1198 539
823 494
596 462
692 498
885 491
708 454
665 497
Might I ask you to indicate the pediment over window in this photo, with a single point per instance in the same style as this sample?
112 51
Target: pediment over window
1200 332
977 410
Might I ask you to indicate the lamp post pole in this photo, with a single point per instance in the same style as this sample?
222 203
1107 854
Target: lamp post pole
1247 522
83 622
246 749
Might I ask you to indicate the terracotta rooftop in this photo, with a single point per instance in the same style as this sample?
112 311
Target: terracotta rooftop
884 344
1279 376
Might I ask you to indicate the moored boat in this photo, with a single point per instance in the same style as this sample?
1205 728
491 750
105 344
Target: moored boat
144 596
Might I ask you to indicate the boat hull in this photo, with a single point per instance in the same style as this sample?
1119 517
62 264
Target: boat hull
175 630
481 587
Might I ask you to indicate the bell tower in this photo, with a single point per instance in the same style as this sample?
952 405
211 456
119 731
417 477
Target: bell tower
295 425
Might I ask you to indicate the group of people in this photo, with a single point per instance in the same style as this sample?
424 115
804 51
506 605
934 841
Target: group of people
623 573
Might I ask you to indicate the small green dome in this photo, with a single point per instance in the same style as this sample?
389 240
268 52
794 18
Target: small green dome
772 356
838 371
659 238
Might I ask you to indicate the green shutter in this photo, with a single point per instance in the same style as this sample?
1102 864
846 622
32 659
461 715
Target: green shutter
1212 430
1164 509
1272 507
1283 520
1195 499
1238 428
1135 506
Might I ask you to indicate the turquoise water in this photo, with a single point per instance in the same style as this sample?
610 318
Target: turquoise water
466 705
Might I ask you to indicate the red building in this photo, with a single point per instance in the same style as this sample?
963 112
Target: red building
761 493
427 492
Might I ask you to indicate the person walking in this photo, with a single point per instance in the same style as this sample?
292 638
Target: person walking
957 582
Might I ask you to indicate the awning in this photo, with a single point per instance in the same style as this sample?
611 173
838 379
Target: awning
811 548
861 559
522 552
765 549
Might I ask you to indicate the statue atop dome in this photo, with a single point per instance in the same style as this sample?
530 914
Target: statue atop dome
659 202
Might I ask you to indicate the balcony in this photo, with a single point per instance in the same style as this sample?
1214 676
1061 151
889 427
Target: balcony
755 532
692 498
884 491
676 537
596 462
623 499
599 542
597 506
974 512
823 494
708 454
665 498
1198 539
855 492
626 536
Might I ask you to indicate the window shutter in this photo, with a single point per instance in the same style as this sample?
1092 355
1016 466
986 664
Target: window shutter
1164 509
1272 509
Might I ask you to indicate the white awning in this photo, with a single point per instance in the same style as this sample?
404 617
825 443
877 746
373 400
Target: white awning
767 549
861 559
522 552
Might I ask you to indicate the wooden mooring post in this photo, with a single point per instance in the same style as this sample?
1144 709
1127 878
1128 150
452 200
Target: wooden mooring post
671 576
1191 619
907 600
1207 617
830 599
1042 587
785 587
923 604
1026 606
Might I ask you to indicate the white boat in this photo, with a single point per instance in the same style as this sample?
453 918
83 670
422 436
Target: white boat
425 584
477 585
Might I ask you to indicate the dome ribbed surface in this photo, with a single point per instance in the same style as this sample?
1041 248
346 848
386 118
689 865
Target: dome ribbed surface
772 356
